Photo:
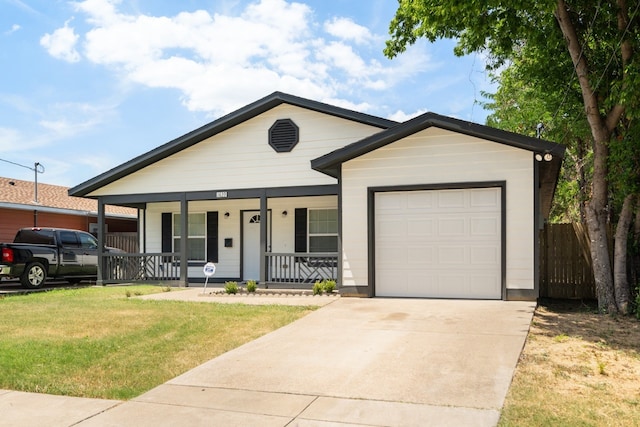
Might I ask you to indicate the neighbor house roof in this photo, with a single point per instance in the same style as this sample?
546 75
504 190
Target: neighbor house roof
18 194
549 170
226 122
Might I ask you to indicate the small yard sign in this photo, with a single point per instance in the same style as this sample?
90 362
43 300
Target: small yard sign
208 270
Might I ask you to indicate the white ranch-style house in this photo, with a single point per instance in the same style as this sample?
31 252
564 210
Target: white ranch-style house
287 191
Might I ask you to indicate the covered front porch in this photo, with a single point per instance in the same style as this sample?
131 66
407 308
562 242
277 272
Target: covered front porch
296 246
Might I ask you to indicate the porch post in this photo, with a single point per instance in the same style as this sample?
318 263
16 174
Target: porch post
101 242
264 219
184 237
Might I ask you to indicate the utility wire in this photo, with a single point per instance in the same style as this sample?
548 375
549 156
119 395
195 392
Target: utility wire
35 169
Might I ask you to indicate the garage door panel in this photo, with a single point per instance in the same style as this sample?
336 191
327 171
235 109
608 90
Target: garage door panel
392 228
392 255
484 198
483 226
452 227
420 284
452 255
420 200
393 282
421 256
484 255
418 227
449 246
393 202
451 198
452 286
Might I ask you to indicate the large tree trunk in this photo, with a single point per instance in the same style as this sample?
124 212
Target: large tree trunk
597 214
597 225
601 130
620 278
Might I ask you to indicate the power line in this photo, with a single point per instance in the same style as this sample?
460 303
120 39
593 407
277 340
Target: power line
37 168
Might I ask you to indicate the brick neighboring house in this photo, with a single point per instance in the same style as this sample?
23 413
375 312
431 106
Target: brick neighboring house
55 208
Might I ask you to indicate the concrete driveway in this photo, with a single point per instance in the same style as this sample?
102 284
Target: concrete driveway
376 362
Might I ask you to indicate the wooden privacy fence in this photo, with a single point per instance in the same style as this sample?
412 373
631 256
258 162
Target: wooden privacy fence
128 242
565 262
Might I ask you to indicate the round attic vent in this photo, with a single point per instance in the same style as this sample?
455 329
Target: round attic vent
283 135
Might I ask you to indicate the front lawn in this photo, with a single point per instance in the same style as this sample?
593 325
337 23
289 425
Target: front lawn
101 342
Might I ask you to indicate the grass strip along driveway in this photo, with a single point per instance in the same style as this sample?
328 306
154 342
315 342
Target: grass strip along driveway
578 368
98 342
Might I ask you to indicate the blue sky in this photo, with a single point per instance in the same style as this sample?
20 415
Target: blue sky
88 85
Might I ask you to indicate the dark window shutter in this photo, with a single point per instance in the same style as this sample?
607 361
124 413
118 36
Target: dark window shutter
212 236
167 234
300 230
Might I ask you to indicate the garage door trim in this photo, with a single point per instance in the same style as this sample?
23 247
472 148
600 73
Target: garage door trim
371 221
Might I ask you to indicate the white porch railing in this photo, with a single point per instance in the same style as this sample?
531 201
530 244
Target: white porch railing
301 267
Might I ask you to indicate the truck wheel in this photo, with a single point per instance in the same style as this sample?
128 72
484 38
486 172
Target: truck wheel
34 275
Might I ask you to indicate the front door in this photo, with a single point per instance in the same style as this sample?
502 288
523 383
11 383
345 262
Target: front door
251 244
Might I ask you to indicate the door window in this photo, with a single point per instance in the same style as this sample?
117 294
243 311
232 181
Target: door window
69 239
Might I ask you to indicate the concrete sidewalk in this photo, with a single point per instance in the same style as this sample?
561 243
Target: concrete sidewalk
372 362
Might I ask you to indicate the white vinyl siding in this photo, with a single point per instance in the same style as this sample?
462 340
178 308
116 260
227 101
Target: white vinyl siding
436 156
241 157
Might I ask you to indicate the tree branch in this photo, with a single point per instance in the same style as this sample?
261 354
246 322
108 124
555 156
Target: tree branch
582 70
626 52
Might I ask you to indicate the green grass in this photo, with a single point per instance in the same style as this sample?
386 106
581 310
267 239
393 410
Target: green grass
97 342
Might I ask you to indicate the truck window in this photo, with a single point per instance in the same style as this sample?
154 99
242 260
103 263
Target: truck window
36 237
88 241
69 239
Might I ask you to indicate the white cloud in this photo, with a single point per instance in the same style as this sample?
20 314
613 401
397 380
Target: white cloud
401 116
66 120
14 28
61 44
346 29
219 61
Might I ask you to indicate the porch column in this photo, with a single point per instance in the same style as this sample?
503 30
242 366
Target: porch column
264 219
184 238
101 242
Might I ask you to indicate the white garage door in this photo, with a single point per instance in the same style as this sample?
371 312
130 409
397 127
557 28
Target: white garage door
438 243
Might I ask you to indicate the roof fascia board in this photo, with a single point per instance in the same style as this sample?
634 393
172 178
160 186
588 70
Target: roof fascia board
219 125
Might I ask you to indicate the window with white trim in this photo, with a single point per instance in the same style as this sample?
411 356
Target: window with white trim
197 235
323 230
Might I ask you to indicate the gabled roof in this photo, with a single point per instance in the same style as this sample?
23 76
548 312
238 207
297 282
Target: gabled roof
549 170
330 162
18 194
223 123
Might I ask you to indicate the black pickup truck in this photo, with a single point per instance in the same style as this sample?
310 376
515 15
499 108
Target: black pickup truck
38 253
